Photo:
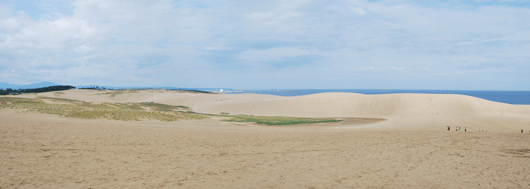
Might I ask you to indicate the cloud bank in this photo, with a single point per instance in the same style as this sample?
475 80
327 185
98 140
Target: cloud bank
272 44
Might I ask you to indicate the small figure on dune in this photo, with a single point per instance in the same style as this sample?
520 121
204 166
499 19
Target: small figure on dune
465 129
521 130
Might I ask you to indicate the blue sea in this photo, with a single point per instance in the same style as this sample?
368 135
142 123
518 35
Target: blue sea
508 97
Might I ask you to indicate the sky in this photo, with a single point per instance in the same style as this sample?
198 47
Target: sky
295 44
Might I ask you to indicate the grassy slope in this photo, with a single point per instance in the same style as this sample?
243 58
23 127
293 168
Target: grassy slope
135 111
111 111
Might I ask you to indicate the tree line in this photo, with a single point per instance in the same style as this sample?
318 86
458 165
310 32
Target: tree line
10 91
36 90
94 88
177 89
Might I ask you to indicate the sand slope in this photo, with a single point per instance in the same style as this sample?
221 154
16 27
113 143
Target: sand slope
47 151
402 111
408 150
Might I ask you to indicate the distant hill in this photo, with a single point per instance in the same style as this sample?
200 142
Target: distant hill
30 86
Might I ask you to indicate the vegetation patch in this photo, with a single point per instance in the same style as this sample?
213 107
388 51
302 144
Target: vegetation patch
276 120
36 90
60 99
137 111
115 92
272 120
85 110
163 107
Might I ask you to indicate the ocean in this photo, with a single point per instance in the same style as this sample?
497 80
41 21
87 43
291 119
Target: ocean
508 97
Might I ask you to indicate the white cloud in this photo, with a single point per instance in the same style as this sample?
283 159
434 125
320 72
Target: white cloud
62 23
455 72
275 53
113 40
358 10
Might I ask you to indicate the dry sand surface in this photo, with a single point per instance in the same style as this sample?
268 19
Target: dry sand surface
402 111
407 149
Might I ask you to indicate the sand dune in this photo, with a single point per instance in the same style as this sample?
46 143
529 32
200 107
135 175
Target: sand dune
47 151
410 149
358 105
402 111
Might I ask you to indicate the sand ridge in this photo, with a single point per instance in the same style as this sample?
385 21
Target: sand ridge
402 111
385 141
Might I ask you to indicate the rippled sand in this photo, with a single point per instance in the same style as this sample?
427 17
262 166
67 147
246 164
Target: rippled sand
46 151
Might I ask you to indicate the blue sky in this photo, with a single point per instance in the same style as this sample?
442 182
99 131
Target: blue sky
377 44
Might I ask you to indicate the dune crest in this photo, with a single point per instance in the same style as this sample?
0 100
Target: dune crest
402 111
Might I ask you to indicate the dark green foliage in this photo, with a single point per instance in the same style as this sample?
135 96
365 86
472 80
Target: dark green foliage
122 89
37 90
196 91
94 88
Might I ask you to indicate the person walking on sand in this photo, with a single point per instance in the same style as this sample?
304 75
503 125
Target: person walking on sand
465 129
521 130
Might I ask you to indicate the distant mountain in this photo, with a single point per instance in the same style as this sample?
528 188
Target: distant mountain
30 86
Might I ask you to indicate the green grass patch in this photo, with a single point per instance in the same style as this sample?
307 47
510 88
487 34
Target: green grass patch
272 120
276 120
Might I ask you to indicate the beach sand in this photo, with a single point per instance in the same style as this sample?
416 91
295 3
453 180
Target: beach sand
408 149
